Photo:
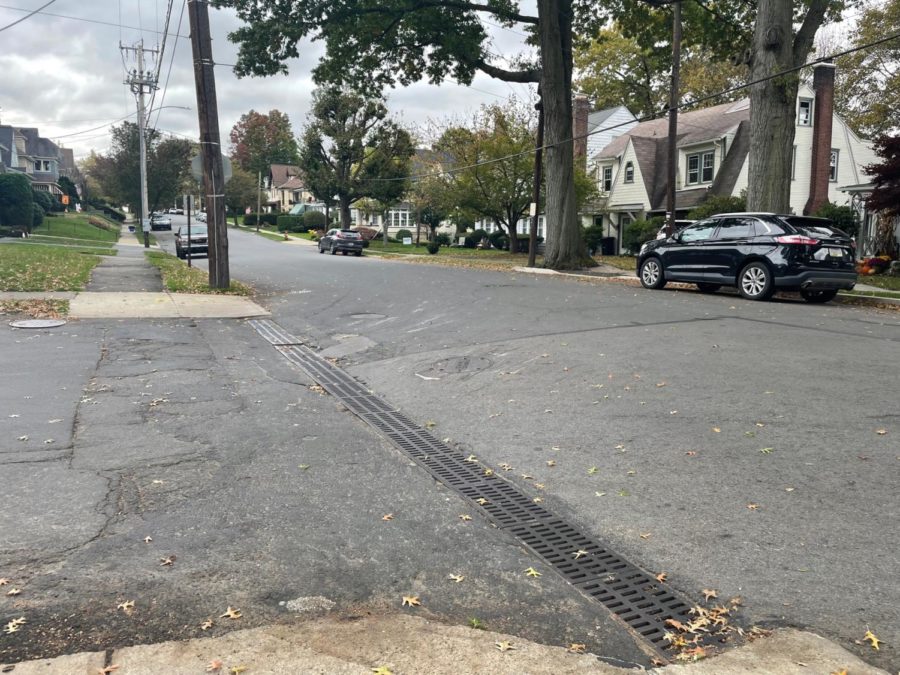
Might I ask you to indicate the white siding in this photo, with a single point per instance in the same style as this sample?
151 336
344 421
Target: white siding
628 193
619 122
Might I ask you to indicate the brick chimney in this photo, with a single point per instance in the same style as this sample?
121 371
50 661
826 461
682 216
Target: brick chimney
580 111
823 114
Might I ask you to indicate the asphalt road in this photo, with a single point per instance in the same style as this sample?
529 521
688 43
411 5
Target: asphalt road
691 408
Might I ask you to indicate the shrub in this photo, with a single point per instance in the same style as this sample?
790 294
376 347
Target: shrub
478 235
433 247
43 199
287 223
314 220
442 239
265 219
639 232
469 241
498 239
592 236
717 204
401 234
524 241
16 199
37 214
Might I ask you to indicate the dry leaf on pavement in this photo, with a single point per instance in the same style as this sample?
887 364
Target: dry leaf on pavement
3 581
206 625
127 606
709 593
579 554
482 501
147 540
504 646
531 572
107 670
577 648
383 670
387 516
456 577
874 641
214 666
465 516
168 561
13 591
661 577
881 432
411 601
231 614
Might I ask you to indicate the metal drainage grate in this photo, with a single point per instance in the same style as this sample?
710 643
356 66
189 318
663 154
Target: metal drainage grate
633 595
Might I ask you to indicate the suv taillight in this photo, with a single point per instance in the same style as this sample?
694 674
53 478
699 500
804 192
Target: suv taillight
797 239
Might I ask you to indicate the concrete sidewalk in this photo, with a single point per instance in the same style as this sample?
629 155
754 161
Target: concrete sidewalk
401 644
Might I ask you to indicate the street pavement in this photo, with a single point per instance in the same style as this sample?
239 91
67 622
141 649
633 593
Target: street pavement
735 447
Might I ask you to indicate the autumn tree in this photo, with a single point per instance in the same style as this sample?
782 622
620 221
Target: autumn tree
867 95
491 164
259 140
118 172
241 191
431 192
351 150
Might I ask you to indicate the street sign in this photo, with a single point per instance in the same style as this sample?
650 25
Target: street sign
197 168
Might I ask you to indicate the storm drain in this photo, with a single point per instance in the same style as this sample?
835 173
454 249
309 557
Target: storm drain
634 596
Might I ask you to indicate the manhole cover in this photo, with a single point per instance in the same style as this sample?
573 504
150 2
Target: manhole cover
38 323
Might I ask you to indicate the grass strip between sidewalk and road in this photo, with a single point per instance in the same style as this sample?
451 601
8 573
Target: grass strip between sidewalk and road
44 268
179 278
36 309
880 280
268 234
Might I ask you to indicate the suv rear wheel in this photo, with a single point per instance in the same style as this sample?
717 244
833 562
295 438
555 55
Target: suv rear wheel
652 274
755 282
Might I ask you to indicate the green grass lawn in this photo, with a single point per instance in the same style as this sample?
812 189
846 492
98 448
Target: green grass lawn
74 246
179 278
76 226
44 268
68 241
881 280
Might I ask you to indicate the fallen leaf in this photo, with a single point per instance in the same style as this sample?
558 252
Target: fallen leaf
673 412
49 441
661 577
881 432
147 540
580 553
4 582
527 476
231 613
168 561
206 625
874 641
709 593
482 501
23 438
387 516
577 648
531 572
537 500
106 670
411 601
551 462
488 472
624 493
675 623
127 606
14 591
737 601
430 424
237 670
465 516
691 453
717 430
631 472
214 665
599 494
766 451
456 577
646 535
753 507
593 470
504 646
384 670
471 458
660 384
760 425
539 486
304 467
13 415
14 625
506 467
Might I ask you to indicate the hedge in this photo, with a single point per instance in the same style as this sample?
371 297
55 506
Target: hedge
290 223
265 219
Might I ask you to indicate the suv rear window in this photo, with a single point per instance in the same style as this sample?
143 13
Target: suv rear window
817 228
349 234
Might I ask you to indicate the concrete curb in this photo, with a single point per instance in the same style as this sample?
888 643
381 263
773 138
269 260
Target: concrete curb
405 644
121 305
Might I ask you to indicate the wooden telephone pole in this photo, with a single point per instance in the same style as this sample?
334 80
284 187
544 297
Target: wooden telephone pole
210 145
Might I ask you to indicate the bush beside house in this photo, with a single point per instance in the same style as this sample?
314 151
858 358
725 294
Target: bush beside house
16 203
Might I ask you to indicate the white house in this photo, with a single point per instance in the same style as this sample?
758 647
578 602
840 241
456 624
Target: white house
713 146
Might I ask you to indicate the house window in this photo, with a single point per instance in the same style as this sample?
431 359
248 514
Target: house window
41 166
607 178
804 112
833 166
398 219
700 167
629 172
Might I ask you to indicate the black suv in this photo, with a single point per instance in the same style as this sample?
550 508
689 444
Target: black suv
345 241
757 252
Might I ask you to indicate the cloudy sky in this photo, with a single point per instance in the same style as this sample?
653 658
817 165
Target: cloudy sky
62 71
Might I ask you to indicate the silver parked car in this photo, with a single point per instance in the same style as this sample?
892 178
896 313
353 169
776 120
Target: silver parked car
199 242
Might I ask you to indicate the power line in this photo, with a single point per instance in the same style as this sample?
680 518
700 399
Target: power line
27 16
79 18
162 50
824 59
171 62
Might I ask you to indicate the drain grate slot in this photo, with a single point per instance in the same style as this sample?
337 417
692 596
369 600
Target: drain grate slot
273 333
588 564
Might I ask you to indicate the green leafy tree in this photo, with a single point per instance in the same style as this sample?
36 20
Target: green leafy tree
843 217
43 199
240 192
259 140
868 81
373 43
68 187
718 204
492 164
118 172
37 215
16 200
351 150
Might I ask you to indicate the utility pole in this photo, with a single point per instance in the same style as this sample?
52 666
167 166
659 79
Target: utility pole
674 101
258 197
536 188
140 80
210 144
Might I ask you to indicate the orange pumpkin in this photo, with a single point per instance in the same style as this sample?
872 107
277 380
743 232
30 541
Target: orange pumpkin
865 269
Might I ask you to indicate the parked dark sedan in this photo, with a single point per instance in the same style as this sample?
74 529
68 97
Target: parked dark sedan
199 245
345 241
758 253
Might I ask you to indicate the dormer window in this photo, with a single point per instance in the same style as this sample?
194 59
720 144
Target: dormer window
700 167
41 166
805 112
629 172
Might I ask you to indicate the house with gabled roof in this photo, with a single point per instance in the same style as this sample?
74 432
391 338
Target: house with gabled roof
24 150
284 186
713 148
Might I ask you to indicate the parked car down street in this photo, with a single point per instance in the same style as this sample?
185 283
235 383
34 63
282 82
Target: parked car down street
159 221
758 253
345 241
198 246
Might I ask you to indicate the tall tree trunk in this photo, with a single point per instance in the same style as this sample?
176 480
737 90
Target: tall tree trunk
565 247
772 109
345 212
513 232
